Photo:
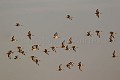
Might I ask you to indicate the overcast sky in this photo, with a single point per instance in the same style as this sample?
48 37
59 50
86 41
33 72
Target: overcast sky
45 17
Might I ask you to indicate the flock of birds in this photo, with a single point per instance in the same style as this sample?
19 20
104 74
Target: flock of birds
53 48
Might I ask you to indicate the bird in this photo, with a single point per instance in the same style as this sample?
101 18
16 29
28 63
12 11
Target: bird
60 69
70 40
18 24
69 65
66 48
13 39
74 48
19 49
56 36
46 51
35 60
89 34
29 35
35 47
97 13
112 34
53 48
69 17
16 57
98 33
63 45
9 53
110 39
113 55
80 65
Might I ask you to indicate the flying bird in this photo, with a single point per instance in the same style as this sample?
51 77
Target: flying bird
35 60
60 69
63 45
89 34
29 35
80 65
16 57
112 34
98 33
69 17
56 36
66 48
46 51
53 48
9 53
69 65
70 40
98 13
74 48
18 24
13 39
35 47
113 55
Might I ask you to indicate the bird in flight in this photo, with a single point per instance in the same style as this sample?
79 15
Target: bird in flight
46 51
53 48
89 34
98 33
66 48
9 53
35 60
112 34
16 57
69 65
60 69
18 24
20 50
80 65
98 13
63 45
113 55
69 17
74 48
56 36
13 39
29 35
70 40
35 47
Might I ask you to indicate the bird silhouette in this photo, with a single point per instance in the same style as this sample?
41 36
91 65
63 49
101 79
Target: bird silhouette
29 35
69 17
56 36
98 13
35 47
18 24
9 53
113 55
16 57
89 34
53 48
80 65
46 51
13 39
70 40
66 48
112 34
69 65
74 48
98 33
35 60
63 45
60 69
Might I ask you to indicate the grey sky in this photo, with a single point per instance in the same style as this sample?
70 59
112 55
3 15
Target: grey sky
45 17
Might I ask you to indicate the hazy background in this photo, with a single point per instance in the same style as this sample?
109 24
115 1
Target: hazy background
45 17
